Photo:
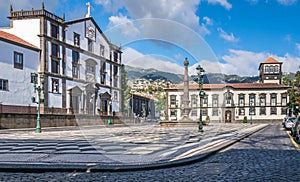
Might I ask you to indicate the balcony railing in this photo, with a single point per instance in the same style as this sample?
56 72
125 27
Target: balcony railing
29 13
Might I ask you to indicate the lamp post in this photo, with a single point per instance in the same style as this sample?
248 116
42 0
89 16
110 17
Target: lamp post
201 94
38 89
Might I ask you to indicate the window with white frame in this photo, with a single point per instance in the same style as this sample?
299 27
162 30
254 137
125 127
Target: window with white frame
252 111
241 99
205 100
194 99
215 112
3 85
54 66
172 100
75 64
262 111
103 72
262 99
284 99
215 100
18 60
116 96
283 111
273 110
273 99
194 112
173 113
241 111
55 85
252 100
54 31
54 50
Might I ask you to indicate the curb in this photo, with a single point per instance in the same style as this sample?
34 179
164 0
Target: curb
53 167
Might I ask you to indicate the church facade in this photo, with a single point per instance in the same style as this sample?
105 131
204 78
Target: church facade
263 101
80 65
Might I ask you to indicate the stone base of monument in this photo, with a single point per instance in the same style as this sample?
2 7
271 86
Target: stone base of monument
186 121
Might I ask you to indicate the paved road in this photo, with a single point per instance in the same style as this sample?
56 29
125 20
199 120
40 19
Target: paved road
267 155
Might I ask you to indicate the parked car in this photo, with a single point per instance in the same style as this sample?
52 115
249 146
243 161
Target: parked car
289 123
295 129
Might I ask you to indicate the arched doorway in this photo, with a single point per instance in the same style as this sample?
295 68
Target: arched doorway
228 116
105 106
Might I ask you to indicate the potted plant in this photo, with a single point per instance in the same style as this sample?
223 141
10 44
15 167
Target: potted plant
207 120
245 119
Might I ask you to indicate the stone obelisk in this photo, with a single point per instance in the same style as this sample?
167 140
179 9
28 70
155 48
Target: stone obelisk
185 109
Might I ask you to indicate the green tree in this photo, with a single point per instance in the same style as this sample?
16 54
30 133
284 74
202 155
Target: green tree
161 102
125 89
293 92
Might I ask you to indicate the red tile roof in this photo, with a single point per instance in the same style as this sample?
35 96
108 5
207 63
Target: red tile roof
15 39
271 60
234 85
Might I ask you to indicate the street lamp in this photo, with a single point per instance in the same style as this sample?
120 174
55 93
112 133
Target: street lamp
38 89
201 94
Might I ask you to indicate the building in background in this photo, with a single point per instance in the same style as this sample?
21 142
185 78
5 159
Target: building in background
141 106
18 59
81 66
264 101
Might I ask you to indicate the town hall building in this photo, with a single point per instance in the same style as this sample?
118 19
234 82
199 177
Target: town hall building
229 102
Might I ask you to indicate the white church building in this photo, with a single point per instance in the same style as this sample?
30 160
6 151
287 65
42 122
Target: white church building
80 65
263 101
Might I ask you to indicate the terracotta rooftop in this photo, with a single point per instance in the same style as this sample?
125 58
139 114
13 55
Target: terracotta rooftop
233 85
271 60
15 39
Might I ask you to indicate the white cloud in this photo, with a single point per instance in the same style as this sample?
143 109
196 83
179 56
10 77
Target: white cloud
246 63
238 62
286 2
243 62
226 36
223 3
110 5
179 11
207 20
126 25
204 26
208 66
132 57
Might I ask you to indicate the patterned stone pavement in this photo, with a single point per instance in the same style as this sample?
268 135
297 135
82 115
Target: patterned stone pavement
139 144
267 155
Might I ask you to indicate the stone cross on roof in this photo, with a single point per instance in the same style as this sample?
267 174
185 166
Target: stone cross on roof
89 10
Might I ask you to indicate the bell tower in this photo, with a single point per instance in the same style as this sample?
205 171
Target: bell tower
270 71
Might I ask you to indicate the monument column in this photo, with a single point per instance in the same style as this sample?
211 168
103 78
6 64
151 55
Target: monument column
185 109
185 99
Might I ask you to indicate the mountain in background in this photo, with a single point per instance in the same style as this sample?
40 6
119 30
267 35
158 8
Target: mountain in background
153 74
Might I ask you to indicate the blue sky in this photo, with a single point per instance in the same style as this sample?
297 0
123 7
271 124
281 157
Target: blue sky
228 36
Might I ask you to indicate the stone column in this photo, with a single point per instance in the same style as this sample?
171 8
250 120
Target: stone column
185 99
185 108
